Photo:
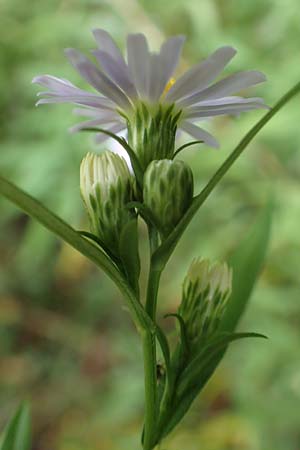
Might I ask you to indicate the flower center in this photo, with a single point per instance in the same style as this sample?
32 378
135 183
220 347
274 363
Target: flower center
168 86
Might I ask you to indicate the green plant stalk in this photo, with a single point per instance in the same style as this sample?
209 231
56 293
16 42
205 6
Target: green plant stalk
164 407
152 291
149 349
149 355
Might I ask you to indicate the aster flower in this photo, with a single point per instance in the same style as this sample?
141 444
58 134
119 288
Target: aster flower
140 94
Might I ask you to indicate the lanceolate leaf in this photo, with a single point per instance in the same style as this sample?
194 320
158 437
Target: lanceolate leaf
48 219
196 375
183 348
188 144
193 374
164 252
246 263
164 345
17 435
100 244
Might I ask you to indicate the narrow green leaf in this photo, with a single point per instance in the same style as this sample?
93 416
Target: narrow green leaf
17 435
188 144
193 373
52 222
129 253
100 244
193 382
164 252
184 344
246 263
164 345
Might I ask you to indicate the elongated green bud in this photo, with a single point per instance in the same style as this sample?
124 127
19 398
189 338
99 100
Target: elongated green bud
106 187
206 289
168 192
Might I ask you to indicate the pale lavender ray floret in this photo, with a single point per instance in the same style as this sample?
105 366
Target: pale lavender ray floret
122 84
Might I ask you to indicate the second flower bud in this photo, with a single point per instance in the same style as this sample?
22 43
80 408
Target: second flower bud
168 192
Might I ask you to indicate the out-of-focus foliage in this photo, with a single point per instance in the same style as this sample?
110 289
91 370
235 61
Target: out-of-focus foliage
66 343
17 434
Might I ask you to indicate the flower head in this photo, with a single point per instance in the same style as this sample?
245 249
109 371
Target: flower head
168 192
206 289
140 94
106 187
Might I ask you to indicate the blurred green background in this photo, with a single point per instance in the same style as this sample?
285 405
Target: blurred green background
67 344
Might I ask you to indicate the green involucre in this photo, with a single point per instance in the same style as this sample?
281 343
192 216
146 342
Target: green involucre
106 187
168 192
206 289
152 132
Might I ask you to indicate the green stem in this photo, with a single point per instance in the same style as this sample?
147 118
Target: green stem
151 407
167 406
154 275
152 291
149 350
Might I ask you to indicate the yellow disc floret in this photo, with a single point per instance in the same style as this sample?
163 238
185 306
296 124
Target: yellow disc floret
169 85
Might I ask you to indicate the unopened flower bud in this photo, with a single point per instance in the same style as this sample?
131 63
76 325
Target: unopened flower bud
168 192
206 289
106 187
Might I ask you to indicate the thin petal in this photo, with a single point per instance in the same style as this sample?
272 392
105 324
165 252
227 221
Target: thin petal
117 72
138 61
92 123
97 78
170 53
108 45
55 83
153 77
218 110
163 65
64 89
199 134
68 91
101 101
229 101
94 112
90 101
101 137
201 75
232 83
